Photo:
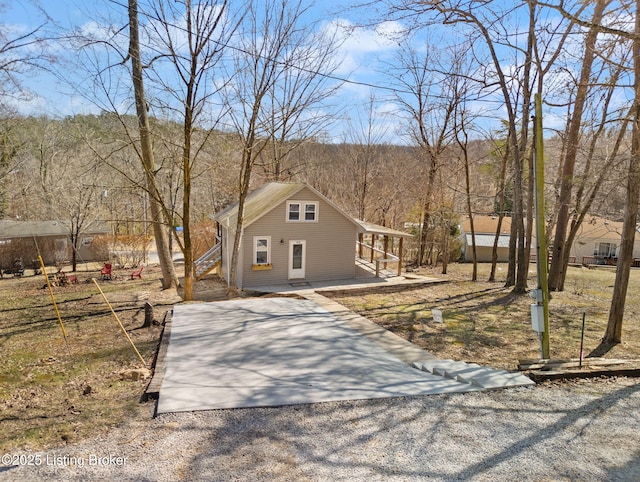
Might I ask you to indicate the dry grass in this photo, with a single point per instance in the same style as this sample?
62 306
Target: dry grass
54 390
486 323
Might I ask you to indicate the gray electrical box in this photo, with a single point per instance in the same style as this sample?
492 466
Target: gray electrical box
537 318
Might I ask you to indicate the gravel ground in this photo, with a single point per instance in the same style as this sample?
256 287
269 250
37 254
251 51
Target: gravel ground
584 430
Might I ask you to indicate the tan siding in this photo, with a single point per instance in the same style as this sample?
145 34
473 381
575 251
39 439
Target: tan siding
485 254
330 244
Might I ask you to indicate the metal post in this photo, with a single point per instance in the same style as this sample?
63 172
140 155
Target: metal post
543 267
584 316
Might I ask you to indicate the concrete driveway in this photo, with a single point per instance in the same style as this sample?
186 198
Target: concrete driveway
279 351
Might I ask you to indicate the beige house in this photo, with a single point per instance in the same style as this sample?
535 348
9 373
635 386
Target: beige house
294 234
21 241
598 241
485 234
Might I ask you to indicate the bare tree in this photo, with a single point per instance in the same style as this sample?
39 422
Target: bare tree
558 265
146 150
193 54
265 58
21 52
462 139
298 106
492 39
613 334
361 159
502 151
430 109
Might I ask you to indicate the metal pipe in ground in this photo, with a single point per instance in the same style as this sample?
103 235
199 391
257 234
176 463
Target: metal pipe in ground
584 316
120 323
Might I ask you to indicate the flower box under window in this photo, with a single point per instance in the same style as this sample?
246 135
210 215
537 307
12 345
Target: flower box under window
261 267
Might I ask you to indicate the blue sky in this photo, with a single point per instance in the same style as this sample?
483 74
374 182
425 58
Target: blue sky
361 55
365 54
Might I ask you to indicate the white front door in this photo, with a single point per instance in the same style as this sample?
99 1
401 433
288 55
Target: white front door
297 254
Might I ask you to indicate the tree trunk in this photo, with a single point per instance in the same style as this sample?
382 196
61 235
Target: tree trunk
573 142
474 251
74 251
445 251
245 180
613 334
148 315
519 204
433 169
501 207
169 278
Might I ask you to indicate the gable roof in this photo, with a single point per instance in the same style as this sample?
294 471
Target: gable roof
483 224
26 229
264 199
594 227
258 203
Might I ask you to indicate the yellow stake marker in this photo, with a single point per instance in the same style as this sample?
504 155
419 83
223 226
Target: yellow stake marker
53 298
119 322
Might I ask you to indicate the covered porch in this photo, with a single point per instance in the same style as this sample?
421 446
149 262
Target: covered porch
380 246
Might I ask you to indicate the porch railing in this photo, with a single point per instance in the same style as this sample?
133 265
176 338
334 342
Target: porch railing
382 258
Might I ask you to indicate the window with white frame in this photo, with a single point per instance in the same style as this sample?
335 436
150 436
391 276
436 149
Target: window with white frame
86 241
261 250
605 249
302 211
310 212
293 211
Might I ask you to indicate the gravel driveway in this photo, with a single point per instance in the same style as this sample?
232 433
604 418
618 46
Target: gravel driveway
585 430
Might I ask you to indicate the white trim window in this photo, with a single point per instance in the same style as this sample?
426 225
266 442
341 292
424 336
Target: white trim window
608 250
302 212
261 250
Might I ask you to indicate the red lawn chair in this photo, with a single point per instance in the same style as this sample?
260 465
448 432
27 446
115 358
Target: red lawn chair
137 273
105 274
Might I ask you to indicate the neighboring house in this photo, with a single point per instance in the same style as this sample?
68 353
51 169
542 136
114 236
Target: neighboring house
292 234
21 241
485 234
598 241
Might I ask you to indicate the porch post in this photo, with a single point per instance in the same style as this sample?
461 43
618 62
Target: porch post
373 244
386 248
360 241
400 256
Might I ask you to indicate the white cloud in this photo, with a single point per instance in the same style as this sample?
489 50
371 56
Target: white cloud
358 40
361 46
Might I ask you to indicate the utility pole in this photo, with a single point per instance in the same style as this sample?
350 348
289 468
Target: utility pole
540 310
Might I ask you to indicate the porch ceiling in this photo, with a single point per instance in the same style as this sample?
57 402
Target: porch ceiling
370 228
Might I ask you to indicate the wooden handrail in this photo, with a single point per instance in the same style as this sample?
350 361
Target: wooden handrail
391 257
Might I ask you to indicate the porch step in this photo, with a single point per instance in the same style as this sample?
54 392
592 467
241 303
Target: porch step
474 374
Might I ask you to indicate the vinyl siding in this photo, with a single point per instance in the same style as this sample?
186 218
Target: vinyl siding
485 254
330 244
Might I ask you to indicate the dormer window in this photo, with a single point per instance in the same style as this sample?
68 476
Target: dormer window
302 212
293 210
